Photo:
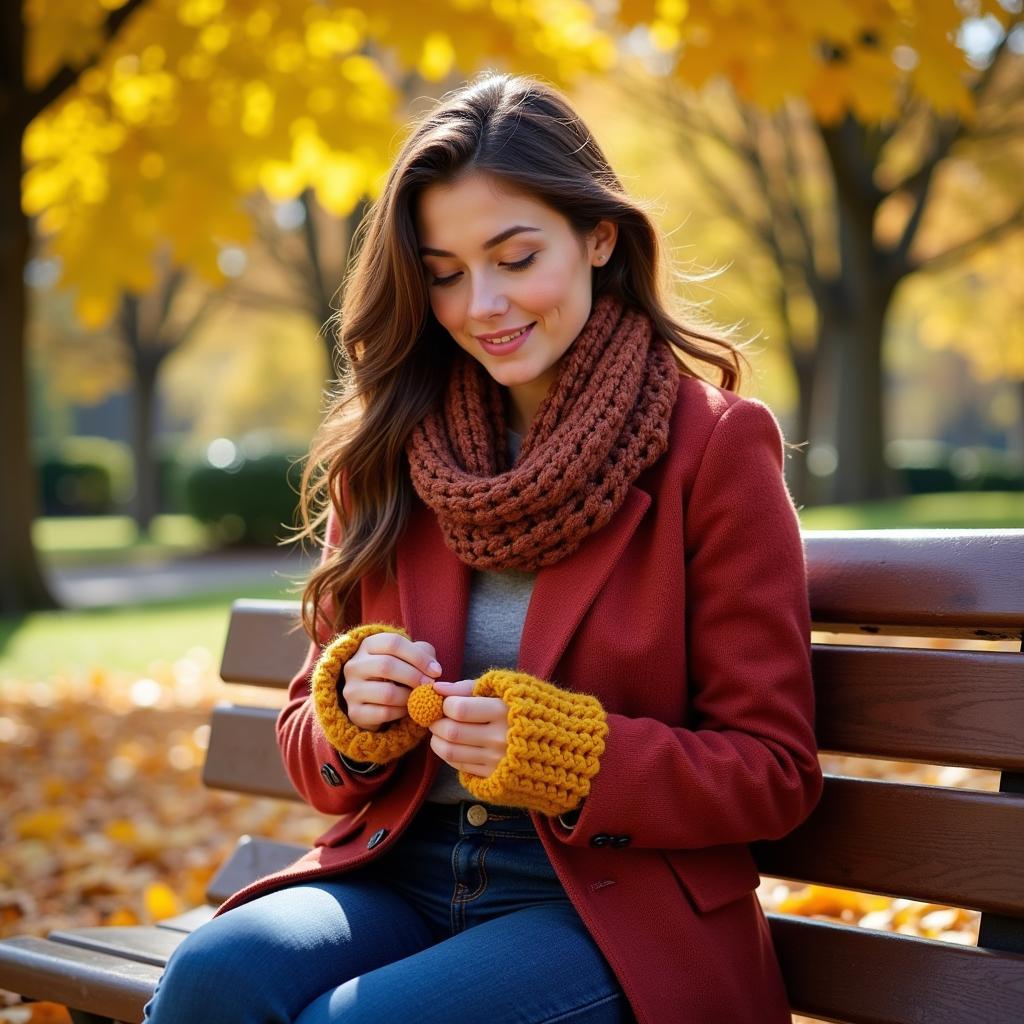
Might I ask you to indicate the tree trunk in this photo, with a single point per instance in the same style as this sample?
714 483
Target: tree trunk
853 320
146 360
146 503
22 586
797 472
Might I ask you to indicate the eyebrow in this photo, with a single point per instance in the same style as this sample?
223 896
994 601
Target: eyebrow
502 236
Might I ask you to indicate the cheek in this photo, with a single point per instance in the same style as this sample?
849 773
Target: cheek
445 308
556 290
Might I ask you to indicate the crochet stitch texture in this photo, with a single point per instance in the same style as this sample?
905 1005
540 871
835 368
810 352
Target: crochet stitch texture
425 704
604 421
343 734
555 742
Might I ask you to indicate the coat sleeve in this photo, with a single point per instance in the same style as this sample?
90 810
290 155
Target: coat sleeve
304 748
746 768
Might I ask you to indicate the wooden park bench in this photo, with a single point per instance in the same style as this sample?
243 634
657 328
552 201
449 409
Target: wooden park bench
947 846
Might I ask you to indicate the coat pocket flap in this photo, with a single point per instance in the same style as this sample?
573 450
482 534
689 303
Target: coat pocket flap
715 875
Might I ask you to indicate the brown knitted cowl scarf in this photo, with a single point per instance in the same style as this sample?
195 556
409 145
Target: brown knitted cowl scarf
603 422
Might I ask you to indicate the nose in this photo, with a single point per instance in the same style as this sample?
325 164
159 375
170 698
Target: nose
486 299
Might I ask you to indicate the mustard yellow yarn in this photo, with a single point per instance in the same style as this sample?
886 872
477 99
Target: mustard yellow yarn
426 704
393 740
555 742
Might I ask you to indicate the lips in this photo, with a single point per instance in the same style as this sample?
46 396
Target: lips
504 348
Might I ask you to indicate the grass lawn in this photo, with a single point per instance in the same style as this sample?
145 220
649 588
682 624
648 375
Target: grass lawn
44 644
133 639
988 510
78 540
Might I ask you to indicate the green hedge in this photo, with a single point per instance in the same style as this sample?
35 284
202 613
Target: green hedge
933 467
83 476
252 501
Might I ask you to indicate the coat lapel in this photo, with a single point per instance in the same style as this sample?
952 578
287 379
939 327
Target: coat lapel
563 592
433 590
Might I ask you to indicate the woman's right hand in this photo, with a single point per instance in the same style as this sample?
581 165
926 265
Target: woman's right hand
381 674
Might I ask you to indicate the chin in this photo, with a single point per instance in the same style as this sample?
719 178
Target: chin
509 377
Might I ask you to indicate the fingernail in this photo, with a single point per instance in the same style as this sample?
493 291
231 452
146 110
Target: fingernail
434 667
424 680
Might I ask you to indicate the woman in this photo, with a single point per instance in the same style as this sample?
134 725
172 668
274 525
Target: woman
569 677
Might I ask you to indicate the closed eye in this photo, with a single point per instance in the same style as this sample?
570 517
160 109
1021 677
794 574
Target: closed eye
442 281
521 264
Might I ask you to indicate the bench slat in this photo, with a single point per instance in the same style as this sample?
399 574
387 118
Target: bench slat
939 707
82 979
953 847
243 755
146 944
263 648
864 977
251 859
934 582
187 922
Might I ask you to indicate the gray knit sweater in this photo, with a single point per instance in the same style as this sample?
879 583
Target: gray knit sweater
497 609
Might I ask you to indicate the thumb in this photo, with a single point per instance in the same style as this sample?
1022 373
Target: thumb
462 688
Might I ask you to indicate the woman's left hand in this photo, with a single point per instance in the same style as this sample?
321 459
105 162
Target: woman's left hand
473 735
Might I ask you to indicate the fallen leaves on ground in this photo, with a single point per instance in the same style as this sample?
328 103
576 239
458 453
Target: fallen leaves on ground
106 821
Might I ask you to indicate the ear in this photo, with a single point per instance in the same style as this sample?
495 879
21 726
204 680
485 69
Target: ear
601 242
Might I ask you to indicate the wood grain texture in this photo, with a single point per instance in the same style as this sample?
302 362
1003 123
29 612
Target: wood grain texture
933 582
264 647
953 847
938 707
840 973
243 755
83 978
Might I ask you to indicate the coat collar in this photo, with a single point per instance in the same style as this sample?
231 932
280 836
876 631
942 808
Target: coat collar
433 588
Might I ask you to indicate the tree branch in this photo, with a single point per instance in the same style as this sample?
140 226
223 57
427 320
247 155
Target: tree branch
312 238
919 184
793 179
956 252
66 77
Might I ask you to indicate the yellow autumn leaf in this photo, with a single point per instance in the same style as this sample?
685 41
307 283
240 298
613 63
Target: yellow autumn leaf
161 901
46 824
122 916
121 830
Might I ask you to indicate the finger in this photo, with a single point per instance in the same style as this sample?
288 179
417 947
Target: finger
431 654
463 687
419 655
382 693
468 734
459 756
388 668
371 715
475 709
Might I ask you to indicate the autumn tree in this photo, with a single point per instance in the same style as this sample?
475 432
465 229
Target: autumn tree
130 126
839 122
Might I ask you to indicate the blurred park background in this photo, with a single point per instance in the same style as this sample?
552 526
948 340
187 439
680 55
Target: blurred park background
180 181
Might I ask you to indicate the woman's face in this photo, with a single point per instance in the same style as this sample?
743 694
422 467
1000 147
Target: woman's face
509 279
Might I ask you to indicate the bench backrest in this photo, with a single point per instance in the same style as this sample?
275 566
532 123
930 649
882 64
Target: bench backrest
947 846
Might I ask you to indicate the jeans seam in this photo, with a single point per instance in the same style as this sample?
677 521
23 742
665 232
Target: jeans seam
569 1014
482 868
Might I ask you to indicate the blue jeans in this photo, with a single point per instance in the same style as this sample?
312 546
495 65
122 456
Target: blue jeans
456 924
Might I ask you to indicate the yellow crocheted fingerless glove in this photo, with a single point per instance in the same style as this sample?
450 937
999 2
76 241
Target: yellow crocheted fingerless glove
392 740
555 742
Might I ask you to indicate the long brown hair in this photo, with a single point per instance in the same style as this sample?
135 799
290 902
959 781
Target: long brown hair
526 134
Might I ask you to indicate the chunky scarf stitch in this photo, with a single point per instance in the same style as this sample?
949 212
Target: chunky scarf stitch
603 422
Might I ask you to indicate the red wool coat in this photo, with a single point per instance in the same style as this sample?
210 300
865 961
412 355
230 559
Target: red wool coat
687 616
